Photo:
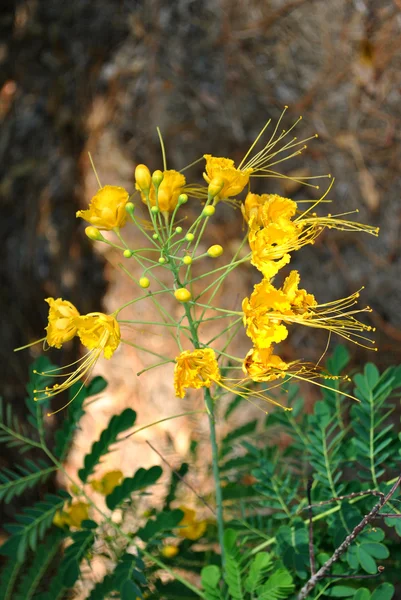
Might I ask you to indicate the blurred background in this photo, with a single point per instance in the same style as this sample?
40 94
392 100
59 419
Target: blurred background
98 76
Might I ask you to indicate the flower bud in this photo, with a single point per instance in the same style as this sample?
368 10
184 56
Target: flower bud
208 211
182 199
169 551
144 282
182 295
130 207
215 187
178 229
187 260
127 253
162 260
215 251
154 210
157 178
143 177
155 236
190 237
93 234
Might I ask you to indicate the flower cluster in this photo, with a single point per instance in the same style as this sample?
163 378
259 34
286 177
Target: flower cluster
276 227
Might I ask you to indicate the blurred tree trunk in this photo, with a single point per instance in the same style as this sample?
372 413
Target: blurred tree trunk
50 56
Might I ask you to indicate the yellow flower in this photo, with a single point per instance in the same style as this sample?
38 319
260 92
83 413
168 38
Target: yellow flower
268 308
274 232
73 515
78 512
299 299
99 332
223 168
195 369
190 527
169 551
262 365
108 482
62 322
268 209
107 208
170 188
61 519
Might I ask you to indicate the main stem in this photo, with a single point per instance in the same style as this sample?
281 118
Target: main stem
216 473
213 439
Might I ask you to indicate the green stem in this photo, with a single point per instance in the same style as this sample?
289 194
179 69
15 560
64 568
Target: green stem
216 473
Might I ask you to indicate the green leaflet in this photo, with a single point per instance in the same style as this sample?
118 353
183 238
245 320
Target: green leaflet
32 525
25 476
117 424
33 574
164 521
142 479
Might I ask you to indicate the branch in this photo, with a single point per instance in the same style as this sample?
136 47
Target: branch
205 502
314 580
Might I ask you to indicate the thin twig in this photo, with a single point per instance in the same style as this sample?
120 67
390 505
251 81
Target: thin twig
314 580
347 497
205 502
311 549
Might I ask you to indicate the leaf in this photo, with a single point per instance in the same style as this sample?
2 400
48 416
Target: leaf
338 360
32 576
376 550
362 594
63 437
278 587
227 443
175 480
232 577
117 424
14 483
8 577
340 591
128 576
96 386
141 480
210 579
385 591
70 566
32 525
258 570
164 521
367 563
129 590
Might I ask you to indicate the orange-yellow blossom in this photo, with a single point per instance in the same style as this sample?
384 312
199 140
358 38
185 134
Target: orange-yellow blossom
72 515
61 322
260 364
190 527
107 208
268 308
108 482
169 190
234 180
195 369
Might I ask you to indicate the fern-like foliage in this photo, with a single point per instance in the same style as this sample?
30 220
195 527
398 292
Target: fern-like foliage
32 525
15 482
127 579
246 577
73 414
14 433
142 479
375 439
117 424
8 578
34 572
